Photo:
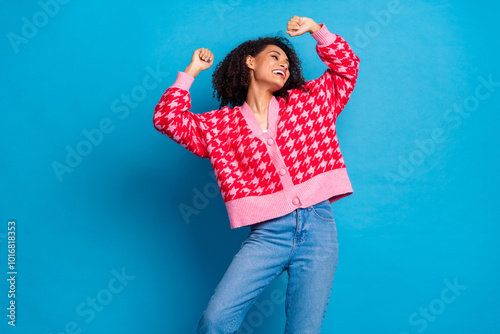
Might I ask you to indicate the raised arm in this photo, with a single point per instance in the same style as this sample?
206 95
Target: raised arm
343 64
172 116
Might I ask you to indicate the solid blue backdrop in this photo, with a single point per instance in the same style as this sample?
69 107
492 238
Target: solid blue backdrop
95 190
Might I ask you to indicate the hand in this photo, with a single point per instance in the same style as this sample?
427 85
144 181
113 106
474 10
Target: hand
300 25
201 60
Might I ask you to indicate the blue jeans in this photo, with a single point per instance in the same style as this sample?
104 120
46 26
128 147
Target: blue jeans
304 243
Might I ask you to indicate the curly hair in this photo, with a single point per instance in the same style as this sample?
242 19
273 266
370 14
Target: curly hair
231 77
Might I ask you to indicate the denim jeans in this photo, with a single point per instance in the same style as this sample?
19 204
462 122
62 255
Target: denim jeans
304 243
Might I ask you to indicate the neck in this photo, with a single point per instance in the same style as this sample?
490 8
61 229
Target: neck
258 99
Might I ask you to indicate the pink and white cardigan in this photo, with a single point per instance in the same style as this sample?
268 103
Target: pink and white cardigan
295 164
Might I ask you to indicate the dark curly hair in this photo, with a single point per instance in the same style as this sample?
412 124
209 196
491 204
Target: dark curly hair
231 77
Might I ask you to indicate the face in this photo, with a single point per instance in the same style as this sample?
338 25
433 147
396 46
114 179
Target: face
269 68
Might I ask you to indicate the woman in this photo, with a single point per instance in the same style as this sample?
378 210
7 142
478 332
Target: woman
278 165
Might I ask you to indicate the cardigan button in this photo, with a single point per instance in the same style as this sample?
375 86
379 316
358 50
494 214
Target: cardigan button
282 172
295 201
270 141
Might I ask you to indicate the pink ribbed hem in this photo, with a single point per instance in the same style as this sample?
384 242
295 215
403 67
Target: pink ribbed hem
323 36
332 185
183 80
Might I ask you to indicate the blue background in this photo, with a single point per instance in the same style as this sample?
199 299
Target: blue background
420 218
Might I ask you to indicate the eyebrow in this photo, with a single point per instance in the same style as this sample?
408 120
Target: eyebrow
278 53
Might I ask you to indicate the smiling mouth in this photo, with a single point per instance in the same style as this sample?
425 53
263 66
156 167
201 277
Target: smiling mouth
280 73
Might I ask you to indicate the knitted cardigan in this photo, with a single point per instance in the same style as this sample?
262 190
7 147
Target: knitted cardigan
295 164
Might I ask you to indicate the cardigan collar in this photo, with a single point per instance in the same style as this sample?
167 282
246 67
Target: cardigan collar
272 118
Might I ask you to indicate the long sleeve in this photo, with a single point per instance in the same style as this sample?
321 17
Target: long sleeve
338 81
173 118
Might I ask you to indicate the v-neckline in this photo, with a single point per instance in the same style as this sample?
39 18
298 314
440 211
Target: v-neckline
272 118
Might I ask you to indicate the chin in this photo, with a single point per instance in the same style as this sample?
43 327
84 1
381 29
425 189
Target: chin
280 87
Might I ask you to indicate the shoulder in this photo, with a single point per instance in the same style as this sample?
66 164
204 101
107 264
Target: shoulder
295 94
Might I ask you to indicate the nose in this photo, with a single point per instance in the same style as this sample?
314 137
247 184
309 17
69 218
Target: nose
284 66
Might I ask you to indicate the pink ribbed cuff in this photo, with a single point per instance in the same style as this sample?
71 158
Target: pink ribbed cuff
323 36
183 81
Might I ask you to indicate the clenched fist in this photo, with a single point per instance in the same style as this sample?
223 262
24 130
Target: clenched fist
300 25
201 60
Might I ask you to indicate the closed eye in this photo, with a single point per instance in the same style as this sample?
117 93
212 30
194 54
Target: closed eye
275 57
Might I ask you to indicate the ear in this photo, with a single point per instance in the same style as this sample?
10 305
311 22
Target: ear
249 62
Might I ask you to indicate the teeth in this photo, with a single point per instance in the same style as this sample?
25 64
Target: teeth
280 72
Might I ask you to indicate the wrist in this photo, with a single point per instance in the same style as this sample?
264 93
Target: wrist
315 28
192 70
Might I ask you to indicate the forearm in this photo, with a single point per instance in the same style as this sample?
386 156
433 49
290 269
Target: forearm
173 118
192 70
336 53
343 64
